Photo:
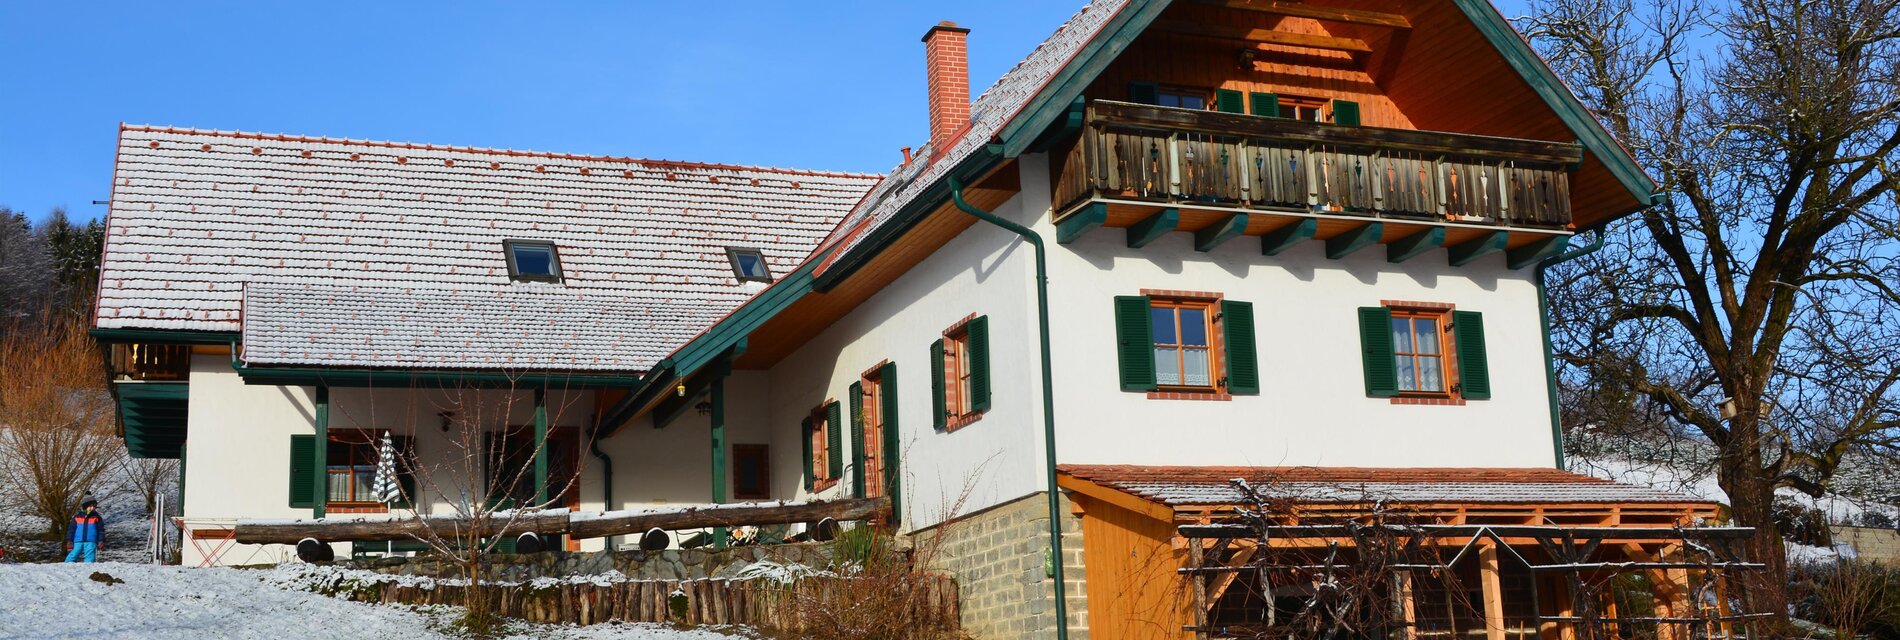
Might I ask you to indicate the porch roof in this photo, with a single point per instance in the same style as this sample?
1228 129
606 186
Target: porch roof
1210 485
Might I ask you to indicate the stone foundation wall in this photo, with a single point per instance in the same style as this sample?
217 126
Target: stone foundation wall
997 557
670 564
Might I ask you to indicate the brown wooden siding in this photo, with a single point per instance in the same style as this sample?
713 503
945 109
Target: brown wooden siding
1134 589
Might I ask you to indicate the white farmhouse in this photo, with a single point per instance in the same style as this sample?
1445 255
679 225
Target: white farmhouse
1178 244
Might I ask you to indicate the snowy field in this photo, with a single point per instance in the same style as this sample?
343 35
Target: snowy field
53 601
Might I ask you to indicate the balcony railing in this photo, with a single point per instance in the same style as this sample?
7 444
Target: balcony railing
1140 152
132 361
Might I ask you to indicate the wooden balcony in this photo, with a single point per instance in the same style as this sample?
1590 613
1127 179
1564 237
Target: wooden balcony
1133 162
150 362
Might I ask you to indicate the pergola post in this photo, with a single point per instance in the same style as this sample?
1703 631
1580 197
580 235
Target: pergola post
321 423
1493 589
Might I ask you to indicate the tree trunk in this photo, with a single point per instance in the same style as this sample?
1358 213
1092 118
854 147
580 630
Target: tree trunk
1752 500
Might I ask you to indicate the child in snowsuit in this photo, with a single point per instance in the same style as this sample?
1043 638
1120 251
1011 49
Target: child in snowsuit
85 532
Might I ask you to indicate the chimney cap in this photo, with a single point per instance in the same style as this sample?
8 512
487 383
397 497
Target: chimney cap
943 26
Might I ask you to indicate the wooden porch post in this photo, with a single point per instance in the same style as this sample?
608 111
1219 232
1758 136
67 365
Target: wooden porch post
1407 604
322 425
1493 589
718 400
540 446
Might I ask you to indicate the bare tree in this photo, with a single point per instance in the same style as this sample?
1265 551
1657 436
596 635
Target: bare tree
1753 309
56 419
478 487
148 477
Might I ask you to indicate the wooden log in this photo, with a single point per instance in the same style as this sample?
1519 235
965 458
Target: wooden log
325 530
730 515
551 523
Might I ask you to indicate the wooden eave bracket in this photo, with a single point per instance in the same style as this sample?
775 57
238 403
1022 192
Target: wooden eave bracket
1153 227
1363 236
1535 252
1219 233
1411 246
1284 238
1470 250
1081 222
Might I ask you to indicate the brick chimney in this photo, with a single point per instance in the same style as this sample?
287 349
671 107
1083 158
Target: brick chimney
947 62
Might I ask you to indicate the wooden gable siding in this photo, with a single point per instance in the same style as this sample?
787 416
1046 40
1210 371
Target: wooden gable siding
1201 62
1134 589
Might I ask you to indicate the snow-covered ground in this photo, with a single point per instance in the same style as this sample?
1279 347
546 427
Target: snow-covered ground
62 601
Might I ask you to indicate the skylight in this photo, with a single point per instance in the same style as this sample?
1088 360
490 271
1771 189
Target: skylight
532 260
749 265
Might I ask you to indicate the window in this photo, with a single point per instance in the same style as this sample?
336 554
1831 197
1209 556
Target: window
822 444
1186 345
350 469
1418 345
870 440
1182 345
1424 353
510 466
960 381
1301 108
749 265
1182 98
751 472
533 260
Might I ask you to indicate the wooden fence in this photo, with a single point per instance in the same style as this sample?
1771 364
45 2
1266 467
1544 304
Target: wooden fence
763 604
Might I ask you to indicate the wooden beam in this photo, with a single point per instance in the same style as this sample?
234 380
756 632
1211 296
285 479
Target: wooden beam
1115 497
1410 246
1363 236
1316 12
1220 232
578 525
1535 252
1153 227
1265 36
1082 221
1285 237
1464 253
1493 589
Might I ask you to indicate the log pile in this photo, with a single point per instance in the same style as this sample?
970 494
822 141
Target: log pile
550 523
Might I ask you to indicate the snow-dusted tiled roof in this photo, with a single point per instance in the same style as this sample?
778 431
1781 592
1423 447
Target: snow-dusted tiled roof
537 326
1176 485
198 215
991 110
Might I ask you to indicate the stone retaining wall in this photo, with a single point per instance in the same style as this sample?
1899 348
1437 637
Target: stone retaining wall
998 558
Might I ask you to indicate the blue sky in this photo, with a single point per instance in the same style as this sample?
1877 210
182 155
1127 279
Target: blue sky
837 85
833 85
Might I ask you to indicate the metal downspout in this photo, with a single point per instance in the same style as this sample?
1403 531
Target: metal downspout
606 476
1550 359
1048 398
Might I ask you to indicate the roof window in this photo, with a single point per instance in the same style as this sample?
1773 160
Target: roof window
749 265
532 260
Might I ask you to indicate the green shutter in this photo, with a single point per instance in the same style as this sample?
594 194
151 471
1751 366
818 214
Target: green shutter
1229 101
804 437
303 478
978 361
1264 104
887 392
1243 367
1144 93
1346 112
940 410
1474 372
1375 343
857 439
1134 343
834 436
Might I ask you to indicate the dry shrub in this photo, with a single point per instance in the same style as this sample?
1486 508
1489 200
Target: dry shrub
56 420
882 592
1850 596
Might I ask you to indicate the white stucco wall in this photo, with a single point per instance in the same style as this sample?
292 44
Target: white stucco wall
984 271
1312 409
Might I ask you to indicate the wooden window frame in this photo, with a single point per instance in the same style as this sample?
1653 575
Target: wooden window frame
370 438
821 452
1206 95
1216 359
1448 365
959 400
514 271
870 421
1317 106
763 454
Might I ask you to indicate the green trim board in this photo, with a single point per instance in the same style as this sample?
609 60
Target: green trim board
426 378
1557 95
163 336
